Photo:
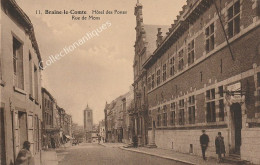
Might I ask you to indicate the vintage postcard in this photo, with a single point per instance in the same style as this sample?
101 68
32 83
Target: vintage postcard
115 82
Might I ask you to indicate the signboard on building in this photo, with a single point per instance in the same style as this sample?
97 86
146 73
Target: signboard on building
235 92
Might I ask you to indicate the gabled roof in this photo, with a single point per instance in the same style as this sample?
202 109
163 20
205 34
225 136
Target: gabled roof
151 35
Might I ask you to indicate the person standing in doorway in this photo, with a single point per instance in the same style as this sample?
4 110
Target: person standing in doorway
220 146
204 141
25 156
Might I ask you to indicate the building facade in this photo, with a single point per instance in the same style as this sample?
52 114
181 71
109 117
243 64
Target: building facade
57 124
127 105
20 84
102 131
50 129
118 120
145 44
205 75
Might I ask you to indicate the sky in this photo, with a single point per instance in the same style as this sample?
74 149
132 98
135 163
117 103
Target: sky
101 69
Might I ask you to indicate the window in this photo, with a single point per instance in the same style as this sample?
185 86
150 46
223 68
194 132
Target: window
191 52
234 19
149 83
18 64
45 103
172 117
258 79
158 73
152 81
48 104
181 113
191 110
172 66
159 117
181 60
36 83
210 101
164 115
210 39
164 72
221 104
30 75
30 130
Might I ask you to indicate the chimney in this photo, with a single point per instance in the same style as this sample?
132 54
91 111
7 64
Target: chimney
159 37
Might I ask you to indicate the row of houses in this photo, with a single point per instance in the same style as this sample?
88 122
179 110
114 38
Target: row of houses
57 124
28 112
117 125
201 72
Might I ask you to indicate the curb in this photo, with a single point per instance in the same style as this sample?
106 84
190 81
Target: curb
165 157
102 145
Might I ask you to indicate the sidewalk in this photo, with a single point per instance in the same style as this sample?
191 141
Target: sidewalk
176 156
113 145
49 156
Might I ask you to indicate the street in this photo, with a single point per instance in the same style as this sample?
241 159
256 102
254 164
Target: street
95 154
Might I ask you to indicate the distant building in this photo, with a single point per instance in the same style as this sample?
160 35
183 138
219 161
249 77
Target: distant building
117 119
88 119
88 123
102 132
50 129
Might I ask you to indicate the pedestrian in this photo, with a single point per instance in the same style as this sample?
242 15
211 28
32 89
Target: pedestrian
204 141
135 141
53 142
220 146
99 139
25 156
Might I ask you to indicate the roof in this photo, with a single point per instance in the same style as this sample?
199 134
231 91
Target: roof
151 35
44 90
87 108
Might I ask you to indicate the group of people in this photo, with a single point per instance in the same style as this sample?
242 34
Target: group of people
219 144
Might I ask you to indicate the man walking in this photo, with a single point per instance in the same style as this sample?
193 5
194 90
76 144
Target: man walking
204 141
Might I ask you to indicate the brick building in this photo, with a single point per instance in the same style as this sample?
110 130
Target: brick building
145 44
205 74
20 84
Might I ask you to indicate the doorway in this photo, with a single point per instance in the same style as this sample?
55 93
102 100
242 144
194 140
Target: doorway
2 138
236 127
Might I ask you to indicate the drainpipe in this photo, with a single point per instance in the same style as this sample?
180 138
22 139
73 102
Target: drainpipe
13 129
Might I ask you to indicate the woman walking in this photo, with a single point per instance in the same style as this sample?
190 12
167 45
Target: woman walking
220 146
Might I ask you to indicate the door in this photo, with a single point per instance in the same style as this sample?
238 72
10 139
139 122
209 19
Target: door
2 138
237 126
